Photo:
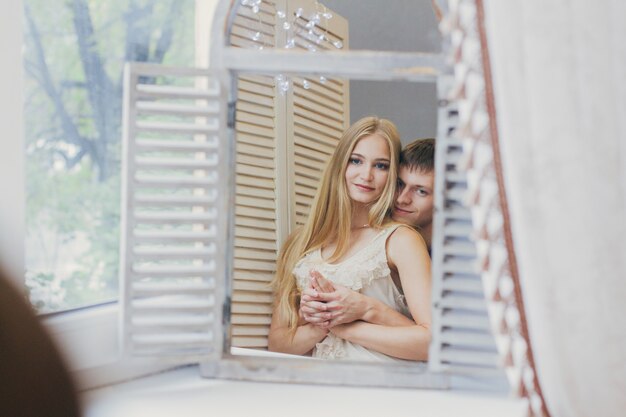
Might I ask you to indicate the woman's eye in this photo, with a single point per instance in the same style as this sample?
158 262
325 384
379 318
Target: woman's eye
381 165
421 192
355 161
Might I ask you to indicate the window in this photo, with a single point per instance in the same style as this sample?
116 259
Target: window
73 60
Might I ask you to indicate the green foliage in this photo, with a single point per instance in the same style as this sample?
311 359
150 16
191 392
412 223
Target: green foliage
73 212
73 180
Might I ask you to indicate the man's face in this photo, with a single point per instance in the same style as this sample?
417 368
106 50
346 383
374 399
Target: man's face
414 198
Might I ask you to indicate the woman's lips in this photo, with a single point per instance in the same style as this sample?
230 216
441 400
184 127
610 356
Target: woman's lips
364 187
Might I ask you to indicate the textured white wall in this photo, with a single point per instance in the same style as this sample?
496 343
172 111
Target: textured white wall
560 85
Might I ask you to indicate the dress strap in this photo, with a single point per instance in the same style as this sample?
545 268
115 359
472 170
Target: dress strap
386 232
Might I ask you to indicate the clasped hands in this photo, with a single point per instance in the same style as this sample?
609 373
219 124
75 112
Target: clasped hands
327 305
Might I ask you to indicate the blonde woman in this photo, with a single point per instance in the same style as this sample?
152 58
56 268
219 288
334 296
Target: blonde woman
349 241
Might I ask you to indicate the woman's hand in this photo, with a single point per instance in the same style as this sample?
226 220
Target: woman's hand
326 304
312 309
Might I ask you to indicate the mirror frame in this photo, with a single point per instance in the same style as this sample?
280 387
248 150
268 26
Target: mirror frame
384 66
365 65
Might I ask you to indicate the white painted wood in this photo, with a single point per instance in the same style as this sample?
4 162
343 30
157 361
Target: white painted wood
172 269
370 65
461 337
181 392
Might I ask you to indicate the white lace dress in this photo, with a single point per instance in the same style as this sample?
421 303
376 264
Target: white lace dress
367 272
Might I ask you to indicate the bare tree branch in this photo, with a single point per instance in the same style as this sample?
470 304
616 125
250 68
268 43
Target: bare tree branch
101 91
137 36
44 79
167 34
70 162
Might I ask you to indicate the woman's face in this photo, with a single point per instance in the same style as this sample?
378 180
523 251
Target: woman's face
368 168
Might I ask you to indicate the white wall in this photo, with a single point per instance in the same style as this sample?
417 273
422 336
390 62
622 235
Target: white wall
560 90
397 25
11 141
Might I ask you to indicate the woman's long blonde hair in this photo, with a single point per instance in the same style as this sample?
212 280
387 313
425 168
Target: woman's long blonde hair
331 212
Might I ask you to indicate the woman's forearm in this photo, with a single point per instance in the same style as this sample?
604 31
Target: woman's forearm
377 312
305 339
405 342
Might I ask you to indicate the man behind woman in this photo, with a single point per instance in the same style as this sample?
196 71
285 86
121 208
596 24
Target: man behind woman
351 248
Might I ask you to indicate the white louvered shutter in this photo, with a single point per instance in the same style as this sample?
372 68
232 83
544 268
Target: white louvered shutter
462 341
174 217
318 114
279 160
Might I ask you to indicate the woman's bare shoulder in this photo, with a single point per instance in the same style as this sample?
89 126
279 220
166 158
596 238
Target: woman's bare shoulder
405 239
404 233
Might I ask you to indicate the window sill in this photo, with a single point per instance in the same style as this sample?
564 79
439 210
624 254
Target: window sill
183 392
89 342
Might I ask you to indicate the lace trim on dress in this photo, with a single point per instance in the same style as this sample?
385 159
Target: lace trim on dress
330 348
355 272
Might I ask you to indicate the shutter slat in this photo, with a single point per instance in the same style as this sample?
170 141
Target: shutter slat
251 319
312 125
168 163
255 181
169 91
251 297
165 236
172 146
254 275
460 356
251 331
157 181
153 288
469 339
176 270
175 217
173 252
257 286
255 265
254 212
250 342
176 109
251 308
460 284
175 200
255 222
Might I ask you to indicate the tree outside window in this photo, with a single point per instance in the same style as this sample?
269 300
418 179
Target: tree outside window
74 56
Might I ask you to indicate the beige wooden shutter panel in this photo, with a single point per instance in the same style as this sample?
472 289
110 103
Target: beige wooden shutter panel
320 113
279 161
255 200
